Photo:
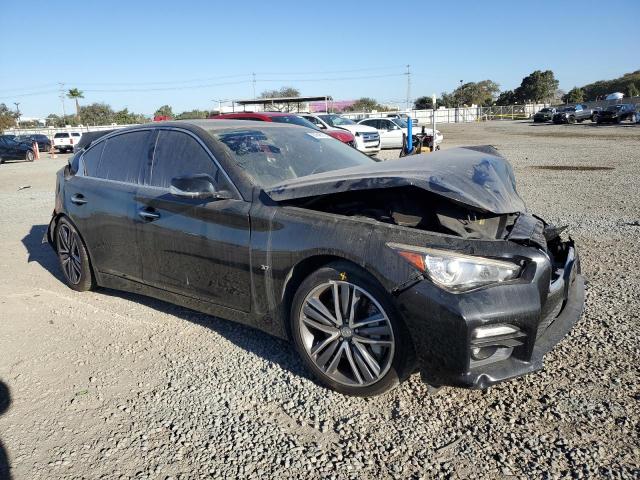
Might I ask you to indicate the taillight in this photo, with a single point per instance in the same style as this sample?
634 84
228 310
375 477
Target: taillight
72 141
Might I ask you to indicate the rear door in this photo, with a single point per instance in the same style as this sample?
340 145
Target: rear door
198 248
101 201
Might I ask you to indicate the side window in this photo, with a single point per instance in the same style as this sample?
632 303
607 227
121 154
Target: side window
315 121
371 123
91 159
385 124
178 154
124 157
578 108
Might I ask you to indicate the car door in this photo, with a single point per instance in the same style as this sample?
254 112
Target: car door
194 247
390 134
100 199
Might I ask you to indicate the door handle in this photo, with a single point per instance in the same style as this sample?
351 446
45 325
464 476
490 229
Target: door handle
78 199
148 215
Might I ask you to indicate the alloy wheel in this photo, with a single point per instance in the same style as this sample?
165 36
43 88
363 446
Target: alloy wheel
346 333
69 254
29 156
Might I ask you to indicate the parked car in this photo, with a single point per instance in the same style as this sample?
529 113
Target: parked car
618 113
13 149
290 118
44 144
544 115
89 137
367 139
66 141
372 269
404 117
392 129
576 113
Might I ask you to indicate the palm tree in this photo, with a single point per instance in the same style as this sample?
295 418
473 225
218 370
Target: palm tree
76 94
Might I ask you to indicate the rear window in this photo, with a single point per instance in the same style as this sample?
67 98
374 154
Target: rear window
76 134
294 120
124 157
61 135
91 159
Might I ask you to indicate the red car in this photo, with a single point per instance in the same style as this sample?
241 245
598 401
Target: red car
280 117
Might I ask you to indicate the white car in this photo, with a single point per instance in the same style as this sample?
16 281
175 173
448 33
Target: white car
66 141
391 130
367 138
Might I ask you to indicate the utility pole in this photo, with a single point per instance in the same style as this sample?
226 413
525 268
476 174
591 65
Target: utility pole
253 75
64 113
17 104
408 86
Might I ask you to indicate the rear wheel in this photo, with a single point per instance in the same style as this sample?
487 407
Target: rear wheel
73 257
29 156
347 332
571 120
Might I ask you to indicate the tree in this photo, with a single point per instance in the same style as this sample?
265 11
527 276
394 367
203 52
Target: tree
7 117
96 114
537 87
75 94
508 97
366 104
632 90
164 111
575 95
282 92
125 117
471 93
193 114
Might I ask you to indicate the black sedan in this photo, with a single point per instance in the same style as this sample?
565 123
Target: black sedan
618 113
44 144
544 115
372 269
12 149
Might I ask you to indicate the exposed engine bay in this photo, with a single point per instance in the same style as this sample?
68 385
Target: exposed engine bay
415 208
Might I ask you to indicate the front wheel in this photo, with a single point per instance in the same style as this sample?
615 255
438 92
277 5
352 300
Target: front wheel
29 156
73 257
571 120
634 118
347 332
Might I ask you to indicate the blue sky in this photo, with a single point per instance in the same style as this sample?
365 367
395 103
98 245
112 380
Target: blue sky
143 54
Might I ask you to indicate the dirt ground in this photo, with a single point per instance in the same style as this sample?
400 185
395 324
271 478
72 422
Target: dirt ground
111 385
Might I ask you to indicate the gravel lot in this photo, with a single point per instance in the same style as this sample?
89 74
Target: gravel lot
105 384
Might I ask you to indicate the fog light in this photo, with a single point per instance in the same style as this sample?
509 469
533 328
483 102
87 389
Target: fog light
482 353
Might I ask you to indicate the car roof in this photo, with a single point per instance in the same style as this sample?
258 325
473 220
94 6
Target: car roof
253 114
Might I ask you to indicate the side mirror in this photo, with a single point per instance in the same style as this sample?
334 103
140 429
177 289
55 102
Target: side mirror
196 186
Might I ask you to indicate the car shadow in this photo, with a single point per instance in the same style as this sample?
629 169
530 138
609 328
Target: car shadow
41 253
5 401
268 347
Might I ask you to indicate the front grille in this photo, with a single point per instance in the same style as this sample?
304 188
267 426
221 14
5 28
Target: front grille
371 137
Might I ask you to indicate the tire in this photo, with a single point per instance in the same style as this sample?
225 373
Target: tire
73 257
571 120
633 118
341 355
29 156
594 118
617 120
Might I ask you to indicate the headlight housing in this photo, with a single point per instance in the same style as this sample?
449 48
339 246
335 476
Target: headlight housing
457 272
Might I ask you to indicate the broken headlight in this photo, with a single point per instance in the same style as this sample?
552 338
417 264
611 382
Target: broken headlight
457 272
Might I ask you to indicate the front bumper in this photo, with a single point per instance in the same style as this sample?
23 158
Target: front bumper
541 309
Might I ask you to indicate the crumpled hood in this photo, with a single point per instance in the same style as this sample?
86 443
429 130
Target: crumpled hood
468 176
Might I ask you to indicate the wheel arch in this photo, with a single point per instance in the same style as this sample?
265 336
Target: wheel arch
303 269
52 239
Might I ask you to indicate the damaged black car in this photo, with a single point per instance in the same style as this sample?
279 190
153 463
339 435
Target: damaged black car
373 270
